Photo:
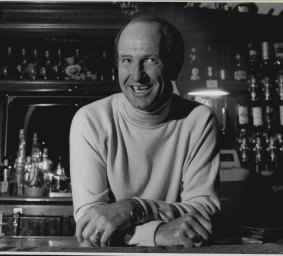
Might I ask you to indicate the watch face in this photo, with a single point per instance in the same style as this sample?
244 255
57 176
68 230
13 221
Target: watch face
138 214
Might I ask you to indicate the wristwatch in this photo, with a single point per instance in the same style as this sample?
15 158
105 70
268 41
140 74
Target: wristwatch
138 213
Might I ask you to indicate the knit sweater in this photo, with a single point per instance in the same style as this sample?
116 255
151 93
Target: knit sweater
167 159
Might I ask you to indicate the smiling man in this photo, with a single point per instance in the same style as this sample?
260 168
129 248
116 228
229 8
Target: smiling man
145 162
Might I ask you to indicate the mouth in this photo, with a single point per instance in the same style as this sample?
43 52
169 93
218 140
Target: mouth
141 90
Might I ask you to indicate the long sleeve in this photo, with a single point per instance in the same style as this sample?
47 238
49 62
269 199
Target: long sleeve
200 184
88 169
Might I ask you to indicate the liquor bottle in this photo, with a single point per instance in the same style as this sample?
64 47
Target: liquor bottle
226 134
46 168
239 71
105 67
222 66
35 149
59 66
243 115
269 107
33 66
280 98
258 155
244 153
194 65
253 61
256 106
210 68
7 69
20 165
271 163
28 170
22 65
5 178
45 67
77 57
46 163
266 69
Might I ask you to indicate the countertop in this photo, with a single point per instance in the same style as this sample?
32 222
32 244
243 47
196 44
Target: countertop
12 244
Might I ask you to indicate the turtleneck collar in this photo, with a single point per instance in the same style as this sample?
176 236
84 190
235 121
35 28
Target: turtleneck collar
143 118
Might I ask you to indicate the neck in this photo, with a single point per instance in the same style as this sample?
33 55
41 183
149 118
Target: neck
147 118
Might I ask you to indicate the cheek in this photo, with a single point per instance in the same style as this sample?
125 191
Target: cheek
155 74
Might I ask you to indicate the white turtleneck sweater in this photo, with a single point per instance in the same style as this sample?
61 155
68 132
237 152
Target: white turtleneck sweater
168 159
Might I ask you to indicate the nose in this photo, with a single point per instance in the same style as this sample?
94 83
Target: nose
137 71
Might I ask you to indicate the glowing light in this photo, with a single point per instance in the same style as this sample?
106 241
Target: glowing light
213 93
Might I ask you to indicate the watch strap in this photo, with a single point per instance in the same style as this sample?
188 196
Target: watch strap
138 212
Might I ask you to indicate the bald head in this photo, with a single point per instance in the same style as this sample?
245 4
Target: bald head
171 44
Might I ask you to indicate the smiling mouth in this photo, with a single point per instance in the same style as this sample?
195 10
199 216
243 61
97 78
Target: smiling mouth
141 90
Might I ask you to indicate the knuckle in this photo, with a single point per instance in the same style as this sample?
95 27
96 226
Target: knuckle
184 226
188 218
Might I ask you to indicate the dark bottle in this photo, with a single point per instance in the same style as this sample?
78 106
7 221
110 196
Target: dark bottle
280 102
256 106
45 66
7 68
269 107
21 67
271 163
59 66
194 65
105 67
211 66
35 149
244 153
266 67
77 57
243 116
253 61
258 156
226 133
33 66
6 176
223 74
239 70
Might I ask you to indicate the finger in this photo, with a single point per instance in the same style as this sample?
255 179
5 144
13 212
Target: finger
95 238
163 216
183 238
204 219
81 223
90 228
187 242
199 229
105 238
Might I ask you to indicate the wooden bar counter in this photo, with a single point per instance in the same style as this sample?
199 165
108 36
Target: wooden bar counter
9 244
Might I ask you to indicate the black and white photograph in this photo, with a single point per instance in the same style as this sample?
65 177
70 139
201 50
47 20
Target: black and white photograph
151 127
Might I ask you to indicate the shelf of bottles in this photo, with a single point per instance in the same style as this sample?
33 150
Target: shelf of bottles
34 174
59 59
259 118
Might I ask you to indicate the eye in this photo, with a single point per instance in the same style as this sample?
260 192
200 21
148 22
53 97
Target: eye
125 60
150 60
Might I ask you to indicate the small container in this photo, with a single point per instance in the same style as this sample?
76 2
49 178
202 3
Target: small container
34 191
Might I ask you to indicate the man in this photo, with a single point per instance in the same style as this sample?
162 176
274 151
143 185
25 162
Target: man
145 162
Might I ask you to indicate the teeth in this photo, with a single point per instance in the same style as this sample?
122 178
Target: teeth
141 89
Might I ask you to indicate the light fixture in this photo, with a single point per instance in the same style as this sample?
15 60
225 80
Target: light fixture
208 92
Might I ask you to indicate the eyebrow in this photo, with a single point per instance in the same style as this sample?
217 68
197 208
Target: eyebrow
143 56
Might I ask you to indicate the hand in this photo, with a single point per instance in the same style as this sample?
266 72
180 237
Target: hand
105 219
185 231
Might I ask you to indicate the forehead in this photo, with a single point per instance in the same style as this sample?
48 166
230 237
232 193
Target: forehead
140 34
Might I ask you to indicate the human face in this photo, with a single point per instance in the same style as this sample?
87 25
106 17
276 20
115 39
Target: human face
141 70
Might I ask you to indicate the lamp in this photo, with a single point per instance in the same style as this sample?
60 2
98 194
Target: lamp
208 92
210 88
